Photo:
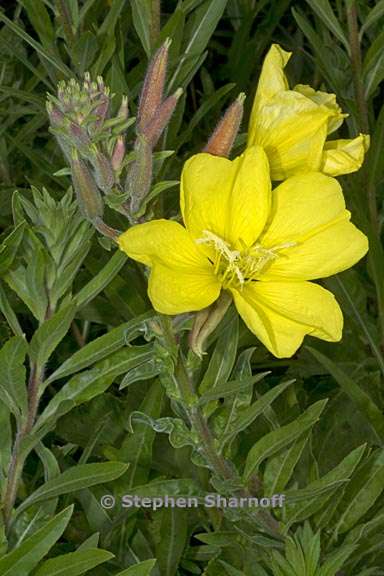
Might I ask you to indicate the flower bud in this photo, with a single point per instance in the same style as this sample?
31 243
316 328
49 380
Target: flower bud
123 112
206 321
153 87
104 175
118 154
223 137
161 118
139 177
79 136
87 193
56 117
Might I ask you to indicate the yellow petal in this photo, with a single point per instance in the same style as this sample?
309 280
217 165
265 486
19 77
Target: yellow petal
175 291
309 210
344 156
229 198
280 314
162 241
324 99
182 279
301 205
271 81
327 252
292 129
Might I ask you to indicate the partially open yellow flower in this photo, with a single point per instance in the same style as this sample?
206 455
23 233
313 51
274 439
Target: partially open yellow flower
259 245
293 125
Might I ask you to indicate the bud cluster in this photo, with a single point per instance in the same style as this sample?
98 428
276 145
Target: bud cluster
94 141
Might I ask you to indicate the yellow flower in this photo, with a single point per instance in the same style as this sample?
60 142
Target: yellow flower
261 246
293 125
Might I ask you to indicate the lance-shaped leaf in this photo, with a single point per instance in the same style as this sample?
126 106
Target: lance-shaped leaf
277 439
140 569
74 563
49 335
101 347
74 479
13 391
22 560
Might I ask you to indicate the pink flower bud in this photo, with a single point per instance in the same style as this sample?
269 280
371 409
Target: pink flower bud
223 137
118 154
153 130
153 87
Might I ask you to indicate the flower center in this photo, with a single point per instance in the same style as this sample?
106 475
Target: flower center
238 267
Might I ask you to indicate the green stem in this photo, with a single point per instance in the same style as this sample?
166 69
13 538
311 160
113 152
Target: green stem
217 463
357 72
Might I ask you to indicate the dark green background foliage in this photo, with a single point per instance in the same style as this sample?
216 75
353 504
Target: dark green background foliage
76 321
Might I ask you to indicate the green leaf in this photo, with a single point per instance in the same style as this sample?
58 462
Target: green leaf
365 498
360 398
279 469
49 335
248 415
9 314
278 439
22 560
90 383
173 539
222 361
42 52
13 390
101 279
137 447
41 22
74 563
10 246
101 347
328 484
335 561
231 388
140 569
74 479
324 10
200 27
141 16
373 17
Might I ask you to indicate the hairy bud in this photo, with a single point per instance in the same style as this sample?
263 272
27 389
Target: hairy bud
118 154
223 137
160 119
153 87
88 195
139 177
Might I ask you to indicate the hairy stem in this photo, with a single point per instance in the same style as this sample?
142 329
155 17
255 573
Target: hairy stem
17 459
218 464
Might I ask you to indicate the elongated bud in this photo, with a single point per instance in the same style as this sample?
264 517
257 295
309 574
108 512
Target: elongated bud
153 87
104 175
206 321
161 118
139 177
118 154
223 137
88 195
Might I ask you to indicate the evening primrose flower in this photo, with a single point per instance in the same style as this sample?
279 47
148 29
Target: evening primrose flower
293 125
260 246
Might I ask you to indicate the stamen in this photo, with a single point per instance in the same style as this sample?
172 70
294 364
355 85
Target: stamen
239 267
